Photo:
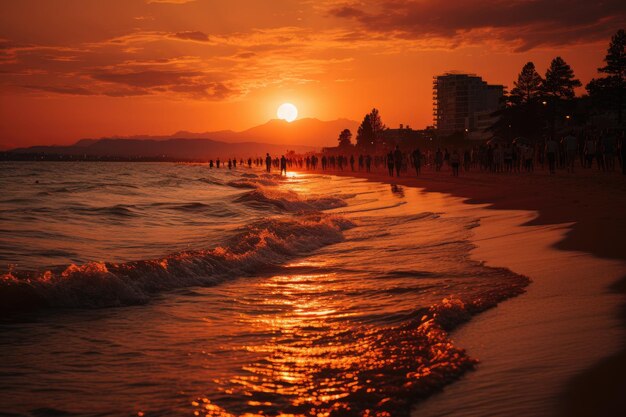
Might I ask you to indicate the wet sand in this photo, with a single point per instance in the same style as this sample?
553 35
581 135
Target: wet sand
559 348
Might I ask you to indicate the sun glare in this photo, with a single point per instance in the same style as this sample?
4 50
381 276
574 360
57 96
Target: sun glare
287 111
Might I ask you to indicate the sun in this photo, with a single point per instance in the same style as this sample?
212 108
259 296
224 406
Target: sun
287 111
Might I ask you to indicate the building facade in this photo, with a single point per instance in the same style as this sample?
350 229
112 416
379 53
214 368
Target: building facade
464 103
405 137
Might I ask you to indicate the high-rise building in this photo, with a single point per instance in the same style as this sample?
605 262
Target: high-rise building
464 103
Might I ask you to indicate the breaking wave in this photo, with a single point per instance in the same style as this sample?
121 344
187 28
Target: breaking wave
263 244
289 200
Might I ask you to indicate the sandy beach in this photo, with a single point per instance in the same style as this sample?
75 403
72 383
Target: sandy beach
559 348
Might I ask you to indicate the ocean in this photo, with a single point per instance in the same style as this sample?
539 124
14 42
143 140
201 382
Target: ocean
159 289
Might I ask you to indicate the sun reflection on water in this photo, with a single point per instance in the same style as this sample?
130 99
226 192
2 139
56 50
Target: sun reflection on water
319 363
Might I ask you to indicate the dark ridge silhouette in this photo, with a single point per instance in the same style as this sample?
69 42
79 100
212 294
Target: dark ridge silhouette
171 149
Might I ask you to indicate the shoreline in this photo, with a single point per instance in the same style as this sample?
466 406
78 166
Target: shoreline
576 227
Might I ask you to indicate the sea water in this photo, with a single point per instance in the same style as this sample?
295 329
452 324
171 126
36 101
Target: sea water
175 289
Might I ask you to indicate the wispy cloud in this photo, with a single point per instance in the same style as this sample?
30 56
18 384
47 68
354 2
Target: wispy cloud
213 67
170 1
192 36
521 24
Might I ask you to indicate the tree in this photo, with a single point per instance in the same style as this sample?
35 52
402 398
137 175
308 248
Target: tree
560 80
365 134
528 86
609 91
369 132
558 89
377 123
344 138
523 113
514 121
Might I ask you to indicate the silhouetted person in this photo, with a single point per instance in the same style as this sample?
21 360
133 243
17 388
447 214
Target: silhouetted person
268 162
368 163
507 157
590 151
390 163
438 159
623 153
352 162
527 154
551 149
416 156
218 163
600 155
249 162
283 165
570 143
455 161
608 148
211 164
397 159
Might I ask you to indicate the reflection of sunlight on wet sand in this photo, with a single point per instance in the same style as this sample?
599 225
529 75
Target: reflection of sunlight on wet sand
302 348
288 369
318 365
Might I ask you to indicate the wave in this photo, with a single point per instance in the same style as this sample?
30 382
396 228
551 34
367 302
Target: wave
257 246
289 200
211 180
119 210
405 362
253 183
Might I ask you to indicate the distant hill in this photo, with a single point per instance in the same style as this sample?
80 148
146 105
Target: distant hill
308 131
276 137
312 132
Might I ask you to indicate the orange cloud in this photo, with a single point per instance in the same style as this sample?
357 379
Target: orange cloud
518 23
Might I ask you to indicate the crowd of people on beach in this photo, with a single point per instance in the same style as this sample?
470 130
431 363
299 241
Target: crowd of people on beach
603 150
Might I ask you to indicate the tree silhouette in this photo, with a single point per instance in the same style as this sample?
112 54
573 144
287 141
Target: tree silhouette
369 133
365 134
523 114
609 91
377 123
560 80
528 86
344 138
558 88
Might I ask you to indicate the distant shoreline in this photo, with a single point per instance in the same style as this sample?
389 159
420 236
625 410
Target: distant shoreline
66 158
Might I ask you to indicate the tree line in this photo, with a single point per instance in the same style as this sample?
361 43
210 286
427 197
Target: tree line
538 105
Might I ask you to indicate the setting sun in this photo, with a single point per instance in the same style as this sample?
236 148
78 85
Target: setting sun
287 111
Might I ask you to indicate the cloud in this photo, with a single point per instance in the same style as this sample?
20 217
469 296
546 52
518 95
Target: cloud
146 79
192 36
196 84
524 24
170 1
71 90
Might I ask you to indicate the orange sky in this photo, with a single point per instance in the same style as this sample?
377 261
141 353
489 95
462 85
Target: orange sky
89 68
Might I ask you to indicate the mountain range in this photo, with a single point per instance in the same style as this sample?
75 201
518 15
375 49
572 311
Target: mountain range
275 137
